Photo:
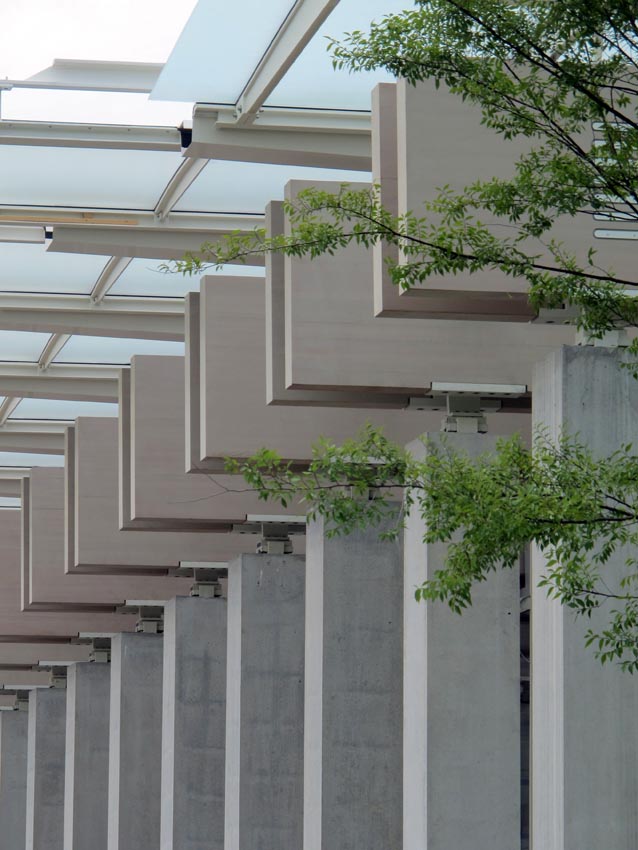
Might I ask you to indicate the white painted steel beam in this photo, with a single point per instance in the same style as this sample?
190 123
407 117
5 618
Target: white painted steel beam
53 347
7 407
187 172
136 318
109 275
60 381
216 138
301 23
97 136
31 234
93 75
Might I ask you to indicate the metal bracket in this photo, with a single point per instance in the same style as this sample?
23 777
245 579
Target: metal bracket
465 404
100 650
150 618
612 339
210 580
22 701
275 534
58 677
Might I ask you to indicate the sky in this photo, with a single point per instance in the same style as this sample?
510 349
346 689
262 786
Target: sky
35 32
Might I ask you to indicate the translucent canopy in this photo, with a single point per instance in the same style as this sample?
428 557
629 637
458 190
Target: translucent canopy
194 72
104 349
71 177
62 409
145 278
21 460
248 186
31 268
21 347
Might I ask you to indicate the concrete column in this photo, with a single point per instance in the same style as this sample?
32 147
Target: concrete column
87 756
461 712
135 742
353 692
13 779
264 721
45 769
584 715
194 724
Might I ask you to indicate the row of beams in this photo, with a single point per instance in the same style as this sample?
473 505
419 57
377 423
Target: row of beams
136 318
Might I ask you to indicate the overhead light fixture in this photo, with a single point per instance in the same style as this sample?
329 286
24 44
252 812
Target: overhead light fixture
33 234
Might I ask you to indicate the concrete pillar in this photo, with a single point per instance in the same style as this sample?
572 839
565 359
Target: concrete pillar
584 715
353 692
13 779
461 711
87 756
135 742
193 724
264 721
45 769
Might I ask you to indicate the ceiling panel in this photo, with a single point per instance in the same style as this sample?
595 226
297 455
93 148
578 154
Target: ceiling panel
248 186
30 268
100 349
120 179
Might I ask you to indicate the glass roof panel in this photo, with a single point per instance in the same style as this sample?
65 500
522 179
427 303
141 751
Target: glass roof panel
91 107
34 32
216 72
313 82
31 268
143 278
9 502
24 459
248 186
34 175
100 349
21 346
61 409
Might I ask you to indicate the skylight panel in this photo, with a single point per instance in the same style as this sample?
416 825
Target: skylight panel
61 409
118 179
219 49
248 186
99 349
30 268
24 347
22 460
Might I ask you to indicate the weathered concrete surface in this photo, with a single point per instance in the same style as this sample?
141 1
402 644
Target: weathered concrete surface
353 692
193 724
45 769
87 756
13 779
264 751
584 715
461 702
135 742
